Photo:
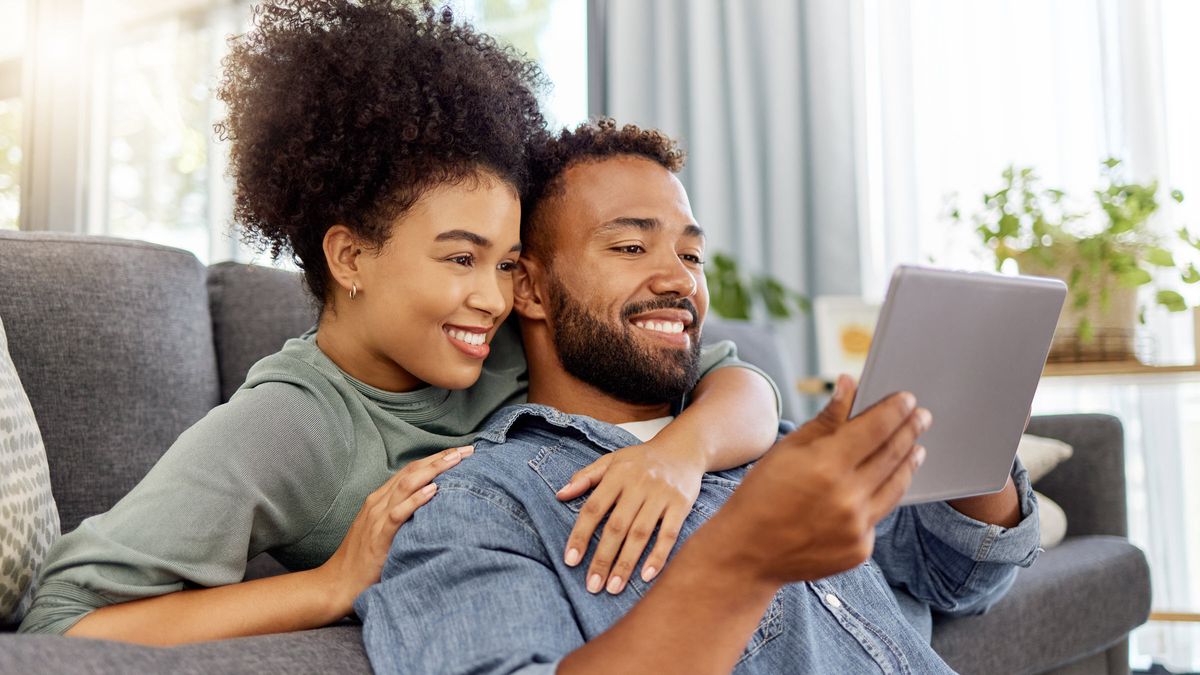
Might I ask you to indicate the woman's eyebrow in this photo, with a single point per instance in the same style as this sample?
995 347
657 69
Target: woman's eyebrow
464 235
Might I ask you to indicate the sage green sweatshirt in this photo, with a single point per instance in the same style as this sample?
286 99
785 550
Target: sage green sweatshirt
283 467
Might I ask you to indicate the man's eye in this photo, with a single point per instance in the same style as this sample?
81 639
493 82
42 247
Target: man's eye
464 260
630 249
692 258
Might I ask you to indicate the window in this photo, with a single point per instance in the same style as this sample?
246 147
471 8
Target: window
12 44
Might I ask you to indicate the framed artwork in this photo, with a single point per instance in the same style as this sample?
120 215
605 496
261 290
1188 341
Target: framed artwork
845 325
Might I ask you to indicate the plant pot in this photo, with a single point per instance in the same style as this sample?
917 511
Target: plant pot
1114 327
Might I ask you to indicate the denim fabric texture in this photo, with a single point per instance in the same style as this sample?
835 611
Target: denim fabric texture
475 582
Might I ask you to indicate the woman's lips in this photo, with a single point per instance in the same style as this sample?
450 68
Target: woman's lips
468 340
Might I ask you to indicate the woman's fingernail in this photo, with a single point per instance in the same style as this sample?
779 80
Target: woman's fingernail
595 583
467 450
429 489
452 457
648 574
615 585
572 557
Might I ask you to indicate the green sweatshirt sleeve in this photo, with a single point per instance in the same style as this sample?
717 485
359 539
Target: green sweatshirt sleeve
255 473
723 354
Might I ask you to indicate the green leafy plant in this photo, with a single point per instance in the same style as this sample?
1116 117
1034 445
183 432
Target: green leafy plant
734 296
1096 251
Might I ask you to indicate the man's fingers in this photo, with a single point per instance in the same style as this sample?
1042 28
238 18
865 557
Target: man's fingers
876 468
639 534
616 529
866 433
892 490
593 511
668 534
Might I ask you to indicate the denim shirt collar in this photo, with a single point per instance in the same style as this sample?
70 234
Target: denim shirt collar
608 437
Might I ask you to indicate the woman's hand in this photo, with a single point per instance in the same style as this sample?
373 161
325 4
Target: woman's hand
644 487
358 562
650 486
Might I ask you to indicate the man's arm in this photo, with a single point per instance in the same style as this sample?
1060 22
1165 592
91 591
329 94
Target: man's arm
954 562
469 587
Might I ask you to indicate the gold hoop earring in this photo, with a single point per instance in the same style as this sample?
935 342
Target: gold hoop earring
353 291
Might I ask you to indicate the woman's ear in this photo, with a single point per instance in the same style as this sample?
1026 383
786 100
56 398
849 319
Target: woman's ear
529 289
342 250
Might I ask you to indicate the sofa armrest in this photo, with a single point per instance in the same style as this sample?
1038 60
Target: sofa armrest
1090 486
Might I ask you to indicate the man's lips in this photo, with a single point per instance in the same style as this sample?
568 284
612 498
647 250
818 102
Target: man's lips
669 324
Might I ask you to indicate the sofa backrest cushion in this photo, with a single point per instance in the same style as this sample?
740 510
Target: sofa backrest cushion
113 343
255 309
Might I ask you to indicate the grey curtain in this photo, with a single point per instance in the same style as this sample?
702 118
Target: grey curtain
760 93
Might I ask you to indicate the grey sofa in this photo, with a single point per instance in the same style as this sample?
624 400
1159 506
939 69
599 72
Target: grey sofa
121 345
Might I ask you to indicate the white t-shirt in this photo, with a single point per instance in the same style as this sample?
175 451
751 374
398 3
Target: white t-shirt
647 429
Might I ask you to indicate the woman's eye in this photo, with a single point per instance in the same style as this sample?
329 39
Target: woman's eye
507 266
464 260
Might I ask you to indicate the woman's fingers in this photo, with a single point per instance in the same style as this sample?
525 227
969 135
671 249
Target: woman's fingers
585 479
622 518
668 534
418 474
593 511
639 534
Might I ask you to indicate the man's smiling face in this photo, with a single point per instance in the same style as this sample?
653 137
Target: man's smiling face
625 278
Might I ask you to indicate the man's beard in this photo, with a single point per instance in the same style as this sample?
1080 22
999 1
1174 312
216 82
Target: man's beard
609 357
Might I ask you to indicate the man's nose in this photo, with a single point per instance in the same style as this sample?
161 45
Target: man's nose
673 278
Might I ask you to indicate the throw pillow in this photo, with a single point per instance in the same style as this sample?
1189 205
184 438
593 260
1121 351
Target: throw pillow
28 516
1040 456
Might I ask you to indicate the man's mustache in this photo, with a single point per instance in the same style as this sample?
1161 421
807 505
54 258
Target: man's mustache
635 308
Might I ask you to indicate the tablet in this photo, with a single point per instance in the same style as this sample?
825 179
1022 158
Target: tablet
971 347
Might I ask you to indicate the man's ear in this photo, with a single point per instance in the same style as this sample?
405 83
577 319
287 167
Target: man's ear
342 250
529 296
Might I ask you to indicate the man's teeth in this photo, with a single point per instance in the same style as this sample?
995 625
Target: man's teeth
469 338
669 327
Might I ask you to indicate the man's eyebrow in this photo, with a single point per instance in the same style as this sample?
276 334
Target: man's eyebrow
646 225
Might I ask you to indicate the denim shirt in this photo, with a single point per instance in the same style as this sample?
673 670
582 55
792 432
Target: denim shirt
475 582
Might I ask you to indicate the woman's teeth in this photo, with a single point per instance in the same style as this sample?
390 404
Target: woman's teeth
669 327
469 338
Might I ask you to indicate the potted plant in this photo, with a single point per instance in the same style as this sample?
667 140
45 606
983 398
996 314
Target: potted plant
733 296
1105 255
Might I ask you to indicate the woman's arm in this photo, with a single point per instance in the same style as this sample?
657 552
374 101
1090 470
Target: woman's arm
732 419
287 602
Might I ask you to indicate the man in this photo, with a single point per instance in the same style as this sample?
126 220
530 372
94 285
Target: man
771 578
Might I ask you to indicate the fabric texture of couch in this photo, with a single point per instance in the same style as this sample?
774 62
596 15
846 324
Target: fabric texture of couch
121 345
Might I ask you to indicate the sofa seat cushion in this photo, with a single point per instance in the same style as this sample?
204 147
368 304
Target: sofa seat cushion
1076 599
28 516
336 649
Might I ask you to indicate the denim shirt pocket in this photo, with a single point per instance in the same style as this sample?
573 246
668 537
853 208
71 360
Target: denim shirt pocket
555 465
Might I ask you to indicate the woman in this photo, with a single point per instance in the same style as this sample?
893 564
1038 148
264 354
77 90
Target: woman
382 146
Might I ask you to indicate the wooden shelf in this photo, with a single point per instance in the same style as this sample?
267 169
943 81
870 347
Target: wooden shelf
1110 368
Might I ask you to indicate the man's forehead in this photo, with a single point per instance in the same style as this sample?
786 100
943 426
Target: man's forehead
597 192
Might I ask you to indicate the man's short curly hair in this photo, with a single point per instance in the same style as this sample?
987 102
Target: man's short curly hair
551 156
346 112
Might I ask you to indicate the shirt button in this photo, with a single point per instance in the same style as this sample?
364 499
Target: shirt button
833 600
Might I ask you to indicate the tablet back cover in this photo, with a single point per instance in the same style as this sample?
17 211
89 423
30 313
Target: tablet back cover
971 347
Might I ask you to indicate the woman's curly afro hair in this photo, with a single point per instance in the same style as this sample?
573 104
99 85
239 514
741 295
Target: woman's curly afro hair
599 139
347 112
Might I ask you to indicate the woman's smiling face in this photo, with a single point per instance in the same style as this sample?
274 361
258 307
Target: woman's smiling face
429 301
